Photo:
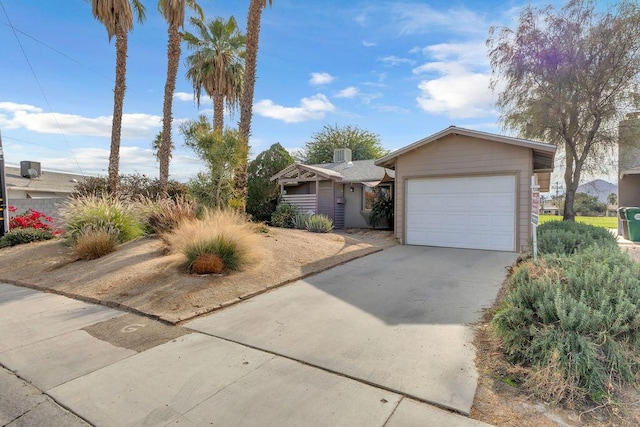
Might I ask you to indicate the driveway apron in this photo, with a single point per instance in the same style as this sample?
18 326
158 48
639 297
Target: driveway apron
398 319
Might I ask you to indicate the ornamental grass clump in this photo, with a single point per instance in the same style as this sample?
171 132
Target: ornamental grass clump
575 321
318 223
90 214
95 244
226 234
164 214
568 237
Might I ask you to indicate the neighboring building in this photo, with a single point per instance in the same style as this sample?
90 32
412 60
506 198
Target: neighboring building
467 189
629 163
30 187
342 190
550 209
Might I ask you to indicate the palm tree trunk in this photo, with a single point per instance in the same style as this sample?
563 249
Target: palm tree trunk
246 100
173 58
218 111
118 101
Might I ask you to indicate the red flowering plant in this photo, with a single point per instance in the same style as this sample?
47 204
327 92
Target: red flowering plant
31 219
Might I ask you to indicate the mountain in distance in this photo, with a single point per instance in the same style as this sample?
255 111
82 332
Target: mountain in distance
598 188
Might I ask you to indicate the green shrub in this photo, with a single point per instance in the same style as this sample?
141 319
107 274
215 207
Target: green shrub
300 220
95 244
130 187
24 235
100 213
576 320
319 223
381 211
284 215
568 237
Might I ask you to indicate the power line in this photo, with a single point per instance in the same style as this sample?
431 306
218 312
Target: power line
24 53
59 52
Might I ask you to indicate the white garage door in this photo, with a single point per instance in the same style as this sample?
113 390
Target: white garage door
467 212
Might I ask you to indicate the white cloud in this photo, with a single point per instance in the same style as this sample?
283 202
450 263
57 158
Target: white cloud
183 96
347 92
458 92
366 43
457 82
318 79
395 60
419 18
15 116
312 108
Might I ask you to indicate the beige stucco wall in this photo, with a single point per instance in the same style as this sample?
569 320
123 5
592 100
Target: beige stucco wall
456 155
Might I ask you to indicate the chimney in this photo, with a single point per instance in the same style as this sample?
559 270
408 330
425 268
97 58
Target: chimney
342 155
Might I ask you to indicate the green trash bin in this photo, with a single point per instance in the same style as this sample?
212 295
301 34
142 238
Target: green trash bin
625 224
633 218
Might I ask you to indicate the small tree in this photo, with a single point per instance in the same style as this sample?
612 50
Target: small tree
567 76
364 145
223 153
587 205
262 197
612 199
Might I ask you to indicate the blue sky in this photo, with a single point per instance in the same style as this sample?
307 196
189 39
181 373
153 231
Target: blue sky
403 70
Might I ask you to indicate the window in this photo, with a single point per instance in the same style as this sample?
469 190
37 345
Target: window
369 195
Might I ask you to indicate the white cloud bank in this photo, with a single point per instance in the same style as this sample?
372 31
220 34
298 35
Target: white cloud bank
32 118
318 79
312 108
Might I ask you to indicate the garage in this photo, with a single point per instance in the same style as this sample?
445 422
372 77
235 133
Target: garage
464 188
475 212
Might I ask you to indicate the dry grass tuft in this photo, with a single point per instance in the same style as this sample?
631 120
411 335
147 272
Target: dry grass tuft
94 244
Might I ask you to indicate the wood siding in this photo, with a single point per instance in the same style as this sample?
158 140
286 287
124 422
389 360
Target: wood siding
304 202
456 155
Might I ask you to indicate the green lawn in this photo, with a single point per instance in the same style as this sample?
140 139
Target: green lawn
598 221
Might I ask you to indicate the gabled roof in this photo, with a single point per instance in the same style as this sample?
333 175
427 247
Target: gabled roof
348 172
358 170
48 181
542 153
306 171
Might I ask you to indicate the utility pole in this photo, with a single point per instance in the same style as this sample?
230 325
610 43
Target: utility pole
4 212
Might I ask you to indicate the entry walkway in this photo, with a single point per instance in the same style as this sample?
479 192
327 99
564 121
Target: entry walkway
62 360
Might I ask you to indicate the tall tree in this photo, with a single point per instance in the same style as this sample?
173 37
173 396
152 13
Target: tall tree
363 144
567 76
173 12
217 65
246 102
262 193
117 17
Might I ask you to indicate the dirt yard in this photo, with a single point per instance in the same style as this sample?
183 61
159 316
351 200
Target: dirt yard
141 277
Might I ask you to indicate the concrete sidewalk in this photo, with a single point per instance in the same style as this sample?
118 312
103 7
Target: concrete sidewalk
60 346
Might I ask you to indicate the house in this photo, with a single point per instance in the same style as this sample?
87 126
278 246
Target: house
629 163
30 187
343 190
467 189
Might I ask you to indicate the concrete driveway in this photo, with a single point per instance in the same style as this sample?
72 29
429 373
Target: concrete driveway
397 319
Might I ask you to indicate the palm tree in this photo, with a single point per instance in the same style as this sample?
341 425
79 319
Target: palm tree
217 65
246 102
117 17
173 12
